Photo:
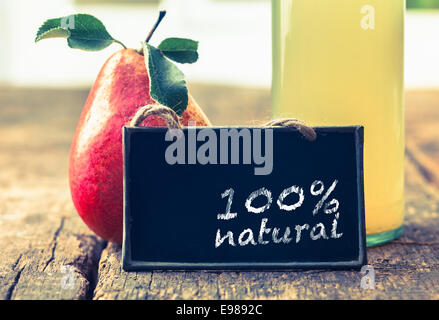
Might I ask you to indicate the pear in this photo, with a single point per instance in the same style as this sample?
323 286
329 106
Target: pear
96 162
122 87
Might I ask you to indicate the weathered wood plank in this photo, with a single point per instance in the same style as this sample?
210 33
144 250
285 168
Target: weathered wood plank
402 268
405 269
39 230
422 122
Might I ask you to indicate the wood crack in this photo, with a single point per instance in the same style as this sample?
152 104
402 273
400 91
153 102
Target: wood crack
93 275
14 284
424 165
149 285
419 243
15 264
54 243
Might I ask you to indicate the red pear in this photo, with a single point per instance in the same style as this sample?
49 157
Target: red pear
96 162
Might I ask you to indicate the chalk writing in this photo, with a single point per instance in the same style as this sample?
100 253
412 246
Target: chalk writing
273 234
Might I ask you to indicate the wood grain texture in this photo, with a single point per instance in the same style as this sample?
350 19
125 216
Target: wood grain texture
405 269
422 122
40 231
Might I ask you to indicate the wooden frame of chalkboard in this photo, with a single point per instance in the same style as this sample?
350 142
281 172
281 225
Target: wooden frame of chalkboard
147 244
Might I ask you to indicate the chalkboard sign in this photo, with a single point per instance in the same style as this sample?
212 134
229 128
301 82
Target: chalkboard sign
243 198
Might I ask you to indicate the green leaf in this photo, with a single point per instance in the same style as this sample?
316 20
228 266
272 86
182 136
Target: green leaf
82 31
167 83
180 50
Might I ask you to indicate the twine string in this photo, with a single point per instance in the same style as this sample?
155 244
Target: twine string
173 121
163 112
308 132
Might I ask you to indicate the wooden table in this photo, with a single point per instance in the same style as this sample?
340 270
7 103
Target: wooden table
48 253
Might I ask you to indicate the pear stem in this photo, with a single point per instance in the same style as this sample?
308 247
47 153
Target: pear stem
162 14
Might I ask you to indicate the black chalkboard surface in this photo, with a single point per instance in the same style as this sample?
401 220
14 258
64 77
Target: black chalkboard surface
243 198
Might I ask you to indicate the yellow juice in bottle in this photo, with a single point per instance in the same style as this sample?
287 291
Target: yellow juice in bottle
340 62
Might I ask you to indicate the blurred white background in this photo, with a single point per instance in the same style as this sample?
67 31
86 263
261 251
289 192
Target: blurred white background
235 40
